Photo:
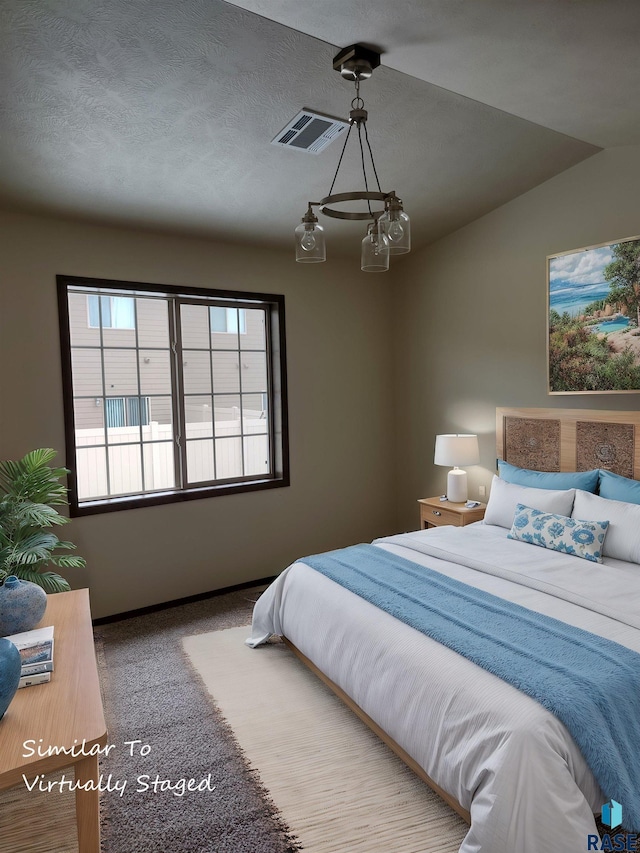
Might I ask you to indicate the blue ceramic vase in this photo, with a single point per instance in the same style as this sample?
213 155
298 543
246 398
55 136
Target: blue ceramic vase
22 606
10 666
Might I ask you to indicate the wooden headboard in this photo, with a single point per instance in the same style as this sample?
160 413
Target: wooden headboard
569 440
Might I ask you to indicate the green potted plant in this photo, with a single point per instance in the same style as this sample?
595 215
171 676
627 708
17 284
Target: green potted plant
29 491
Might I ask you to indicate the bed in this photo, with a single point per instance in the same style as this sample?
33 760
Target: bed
502 760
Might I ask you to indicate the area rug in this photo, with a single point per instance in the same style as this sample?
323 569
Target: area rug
163 727
337 786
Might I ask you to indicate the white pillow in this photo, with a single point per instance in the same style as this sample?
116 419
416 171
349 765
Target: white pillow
623 536
504 498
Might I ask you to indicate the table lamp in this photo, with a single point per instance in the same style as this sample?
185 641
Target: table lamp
457 450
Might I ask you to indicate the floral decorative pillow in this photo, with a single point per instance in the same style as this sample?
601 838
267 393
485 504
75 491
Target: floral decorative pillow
559 533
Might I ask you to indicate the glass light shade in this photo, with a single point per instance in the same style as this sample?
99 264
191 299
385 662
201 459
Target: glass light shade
375 250
310 246
396 225
457 450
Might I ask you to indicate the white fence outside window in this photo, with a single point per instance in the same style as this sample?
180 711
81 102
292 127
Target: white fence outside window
125 468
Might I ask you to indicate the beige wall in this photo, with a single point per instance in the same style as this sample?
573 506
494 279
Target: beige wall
458 329
341 420
471 317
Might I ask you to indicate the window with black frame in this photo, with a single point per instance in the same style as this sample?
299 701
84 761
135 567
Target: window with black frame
170 393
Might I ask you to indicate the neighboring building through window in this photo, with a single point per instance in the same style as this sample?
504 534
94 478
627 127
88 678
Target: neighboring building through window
126 411
228 320
170 394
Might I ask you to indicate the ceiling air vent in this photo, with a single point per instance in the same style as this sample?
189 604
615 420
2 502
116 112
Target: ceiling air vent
310 131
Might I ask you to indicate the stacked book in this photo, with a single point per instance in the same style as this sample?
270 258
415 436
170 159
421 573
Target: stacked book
36 653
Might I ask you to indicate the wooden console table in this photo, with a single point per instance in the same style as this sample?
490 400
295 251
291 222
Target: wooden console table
65 711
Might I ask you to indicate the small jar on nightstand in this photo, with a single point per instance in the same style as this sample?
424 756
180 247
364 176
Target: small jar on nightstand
436 513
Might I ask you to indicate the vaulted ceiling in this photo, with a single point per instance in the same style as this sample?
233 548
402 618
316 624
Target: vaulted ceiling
157 114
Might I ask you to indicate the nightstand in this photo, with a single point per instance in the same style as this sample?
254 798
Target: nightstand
435 513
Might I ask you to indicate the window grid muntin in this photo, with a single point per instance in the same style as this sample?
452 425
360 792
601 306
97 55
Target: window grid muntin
213 411
104 397
137 339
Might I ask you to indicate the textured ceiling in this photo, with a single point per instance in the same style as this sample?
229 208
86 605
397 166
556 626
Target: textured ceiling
570 65
156 114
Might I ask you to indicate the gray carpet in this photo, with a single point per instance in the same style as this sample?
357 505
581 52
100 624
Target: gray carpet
152 695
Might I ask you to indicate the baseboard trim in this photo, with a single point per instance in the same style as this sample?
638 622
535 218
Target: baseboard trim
178 602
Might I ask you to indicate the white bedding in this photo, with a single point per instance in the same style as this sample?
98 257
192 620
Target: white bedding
504 758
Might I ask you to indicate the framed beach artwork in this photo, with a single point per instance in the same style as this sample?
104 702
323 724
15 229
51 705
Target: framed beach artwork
593 340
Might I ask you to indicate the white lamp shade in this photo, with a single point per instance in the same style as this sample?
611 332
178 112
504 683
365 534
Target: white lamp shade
457 450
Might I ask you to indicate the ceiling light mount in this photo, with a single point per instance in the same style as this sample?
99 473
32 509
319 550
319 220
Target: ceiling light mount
389 228
356 62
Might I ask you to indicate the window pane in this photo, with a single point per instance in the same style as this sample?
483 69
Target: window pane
122 311
227 320
218 319
88 415
160 418
226 408
114 407
116 312
155 372
236 321
254 371
80 329
93 307
225 339
159 471
125 469
153 322
120 430
198 414
200 461
137 410
255 329
120 372
229 458
226 372
91 471
256 454
254 413
196 372
194 322
86 365
105 316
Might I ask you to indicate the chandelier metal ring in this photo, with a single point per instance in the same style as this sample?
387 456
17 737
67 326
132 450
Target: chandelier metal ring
339 198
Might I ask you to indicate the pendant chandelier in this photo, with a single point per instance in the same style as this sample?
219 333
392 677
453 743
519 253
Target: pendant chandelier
388 232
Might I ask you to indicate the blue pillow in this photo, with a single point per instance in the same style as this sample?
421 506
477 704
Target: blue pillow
585 480
618 488
570 535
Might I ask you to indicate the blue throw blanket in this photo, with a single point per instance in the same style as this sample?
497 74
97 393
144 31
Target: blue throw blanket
590 683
